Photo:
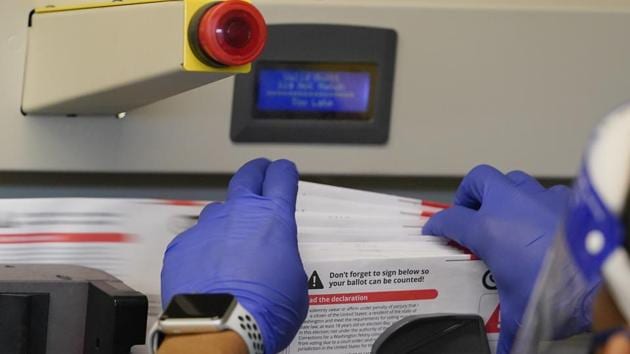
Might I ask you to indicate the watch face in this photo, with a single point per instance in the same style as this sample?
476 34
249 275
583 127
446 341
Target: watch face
211 306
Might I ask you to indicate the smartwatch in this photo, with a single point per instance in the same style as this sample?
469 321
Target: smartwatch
206 313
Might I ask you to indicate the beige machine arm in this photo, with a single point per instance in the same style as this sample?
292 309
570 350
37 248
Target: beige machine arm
107 59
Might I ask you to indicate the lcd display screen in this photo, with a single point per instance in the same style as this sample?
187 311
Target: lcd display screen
303 90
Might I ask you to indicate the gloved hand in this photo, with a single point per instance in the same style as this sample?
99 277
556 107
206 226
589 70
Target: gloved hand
509 222
247 247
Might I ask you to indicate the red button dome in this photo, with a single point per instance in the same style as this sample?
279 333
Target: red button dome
232 32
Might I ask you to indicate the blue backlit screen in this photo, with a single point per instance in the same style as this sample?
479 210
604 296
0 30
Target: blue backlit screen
313 90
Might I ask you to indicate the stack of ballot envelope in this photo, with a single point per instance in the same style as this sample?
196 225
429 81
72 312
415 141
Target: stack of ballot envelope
366 260
369 265
365 222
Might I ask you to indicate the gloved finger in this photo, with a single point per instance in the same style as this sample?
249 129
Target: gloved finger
456 224
525 182
560 196
561 189
209 209
506 339
473 187
248 179
281 183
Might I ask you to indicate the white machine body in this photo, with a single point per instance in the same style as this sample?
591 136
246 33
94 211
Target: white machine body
517 84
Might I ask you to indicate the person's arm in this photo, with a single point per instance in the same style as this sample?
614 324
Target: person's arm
509 221
227 342
619 344
247 247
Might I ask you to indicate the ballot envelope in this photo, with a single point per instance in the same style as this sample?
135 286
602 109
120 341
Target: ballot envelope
367 262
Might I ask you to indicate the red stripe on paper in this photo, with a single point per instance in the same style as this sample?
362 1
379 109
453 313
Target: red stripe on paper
67 237
473 257
426 213
382 296
433 204
176 202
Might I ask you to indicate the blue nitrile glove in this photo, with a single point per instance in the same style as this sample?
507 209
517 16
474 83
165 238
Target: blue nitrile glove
509 222
247 247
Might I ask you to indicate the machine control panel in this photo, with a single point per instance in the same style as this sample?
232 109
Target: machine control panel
318 84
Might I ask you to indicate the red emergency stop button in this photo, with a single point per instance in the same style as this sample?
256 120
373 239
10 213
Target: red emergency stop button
227 33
